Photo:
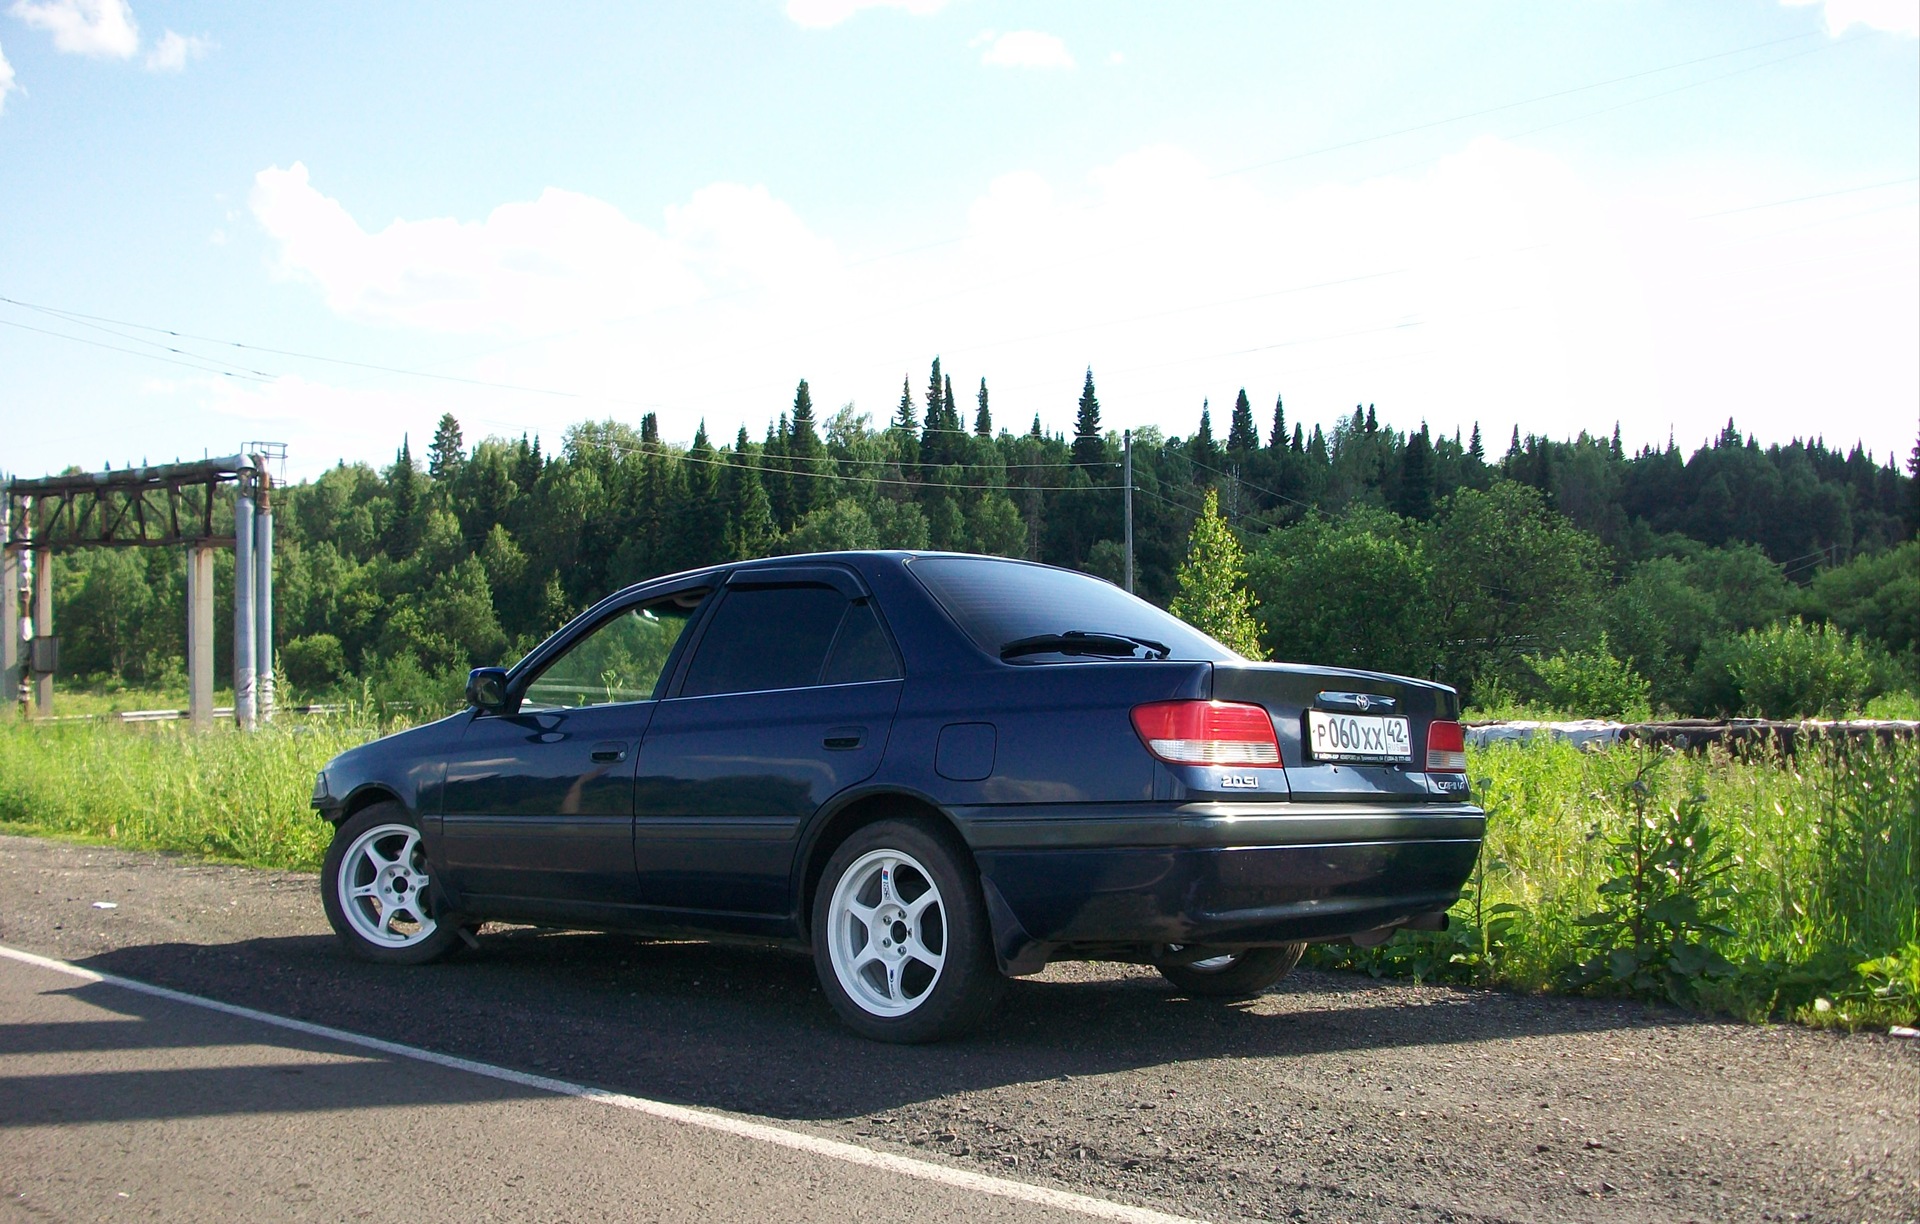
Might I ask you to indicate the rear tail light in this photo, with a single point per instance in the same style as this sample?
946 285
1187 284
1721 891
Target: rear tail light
1446 748
1208 733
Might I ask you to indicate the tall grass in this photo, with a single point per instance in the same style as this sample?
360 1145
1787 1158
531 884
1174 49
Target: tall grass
217 793
1823 873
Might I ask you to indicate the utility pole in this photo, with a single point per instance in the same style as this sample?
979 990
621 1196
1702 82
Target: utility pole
1126 484
243 595
263 591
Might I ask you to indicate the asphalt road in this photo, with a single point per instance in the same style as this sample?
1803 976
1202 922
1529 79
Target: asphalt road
1332 1097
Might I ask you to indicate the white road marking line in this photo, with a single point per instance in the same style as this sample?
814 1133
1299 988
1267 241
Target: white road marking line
833 1149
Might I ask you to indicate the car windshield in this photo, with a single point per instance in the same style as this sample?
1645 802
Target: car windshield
1049 615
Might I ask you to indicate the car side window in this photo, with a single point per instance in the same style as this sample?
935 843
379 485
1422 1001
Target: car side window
861 651
620 660
764 638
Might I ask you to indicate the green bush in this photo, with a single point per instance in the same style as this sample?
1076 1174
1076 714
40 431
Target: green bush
1594 684
1787 670
313 663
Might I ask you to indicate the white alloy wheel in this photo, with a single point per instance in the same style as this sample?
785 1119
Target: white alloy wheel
382 886
887 933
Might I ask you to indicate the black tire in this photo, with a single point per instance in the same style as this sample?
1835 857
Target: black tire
417 937
1245 975
968 983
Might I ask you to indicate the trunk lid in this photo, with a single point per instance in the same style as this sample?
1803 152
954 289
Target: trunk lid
1347 765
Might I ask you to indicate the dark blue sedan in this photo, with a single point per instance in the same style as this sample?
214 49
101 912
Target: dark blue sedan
936 770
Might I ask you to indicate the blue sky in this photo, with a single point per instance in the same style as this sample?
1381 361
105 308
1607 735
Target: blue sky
1555 216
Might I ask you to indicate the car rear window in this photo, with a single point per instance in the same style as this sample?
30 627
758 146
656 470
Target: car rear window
996 602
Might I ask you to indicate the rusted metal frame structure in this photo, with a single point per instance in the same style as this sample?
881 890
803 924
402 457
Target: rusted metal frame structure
170 505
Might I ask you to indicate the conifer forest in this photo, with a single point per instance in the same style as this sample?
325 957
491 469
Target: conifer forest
1762 577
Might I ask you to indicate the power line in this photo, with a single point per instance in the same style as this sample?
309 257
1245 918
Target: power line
1507 106
135 352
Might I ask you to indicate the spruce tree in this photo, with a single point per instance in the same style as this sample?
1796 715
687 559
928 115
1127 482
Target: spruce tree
403 491
448 451
1242 437
1035 432
1202 448
1089 446
1277 440
1416 477
649 431
1475 448
749 515
703 527
1212 594
803 457
934 439
1299 438
528 465
950 417
1373 422
906 425
982 418
1913 490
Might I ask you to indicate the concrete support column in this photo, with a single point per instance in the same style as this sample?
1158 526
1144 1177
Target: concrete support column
243 627
263 599
42 628
12 653
200 634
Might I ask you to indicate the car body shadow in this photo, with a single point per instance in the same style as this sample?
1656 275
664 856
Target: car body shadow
745 1028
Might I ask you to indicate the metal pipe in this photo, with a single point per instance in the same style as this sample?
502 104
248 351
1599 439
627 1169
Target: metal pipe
243 623
1126 483
10 652
263 594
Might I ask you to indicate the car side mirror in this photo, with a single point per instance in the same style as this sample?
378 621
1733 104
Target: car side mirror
487 689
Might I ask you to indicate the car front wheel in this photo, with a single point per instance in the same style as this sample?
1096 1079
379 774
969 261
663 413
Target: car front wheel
375 885
900 936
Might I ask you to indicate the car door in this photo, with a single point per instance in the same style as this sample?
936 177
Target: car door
785 700
538 803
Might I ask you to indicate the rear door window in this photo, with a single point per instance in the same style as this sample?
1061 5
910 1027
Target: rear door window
766 638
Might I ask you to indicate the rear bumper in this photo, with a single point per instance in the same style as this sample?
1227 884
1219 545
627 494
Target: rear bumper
1219 874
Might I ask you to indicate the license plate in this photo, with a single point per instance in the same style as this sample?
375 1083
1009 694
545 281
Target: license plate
1357 737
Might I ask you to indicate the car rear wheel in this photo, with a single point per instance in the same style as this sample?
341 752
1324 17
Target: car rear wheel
900 936
1234 975
375 887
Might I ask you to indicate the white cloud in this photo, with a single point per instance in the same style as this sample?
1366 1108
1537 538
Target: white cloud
820 14
1027 49
1494 285
1893 16
7 84
84 27
173 51
563 260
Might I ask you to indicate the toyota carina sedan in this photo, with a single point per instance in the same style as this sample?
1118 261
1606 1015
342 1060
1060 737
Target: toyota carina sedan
936 771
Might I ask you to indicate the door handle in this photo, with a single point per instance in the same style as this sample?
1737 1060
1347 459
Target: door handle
610 753
840 739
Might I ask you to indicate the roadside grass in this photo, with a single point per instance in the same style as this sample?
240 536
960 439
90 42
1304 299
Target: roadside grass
1795 894
217 794
1791 889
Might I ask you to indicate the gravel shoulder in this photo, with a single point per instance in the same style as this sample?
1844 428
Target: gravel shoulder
1332 1096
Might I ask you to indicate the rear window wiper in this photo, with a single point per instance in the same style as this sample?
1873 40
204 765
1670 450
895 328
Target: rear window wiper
1079 642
